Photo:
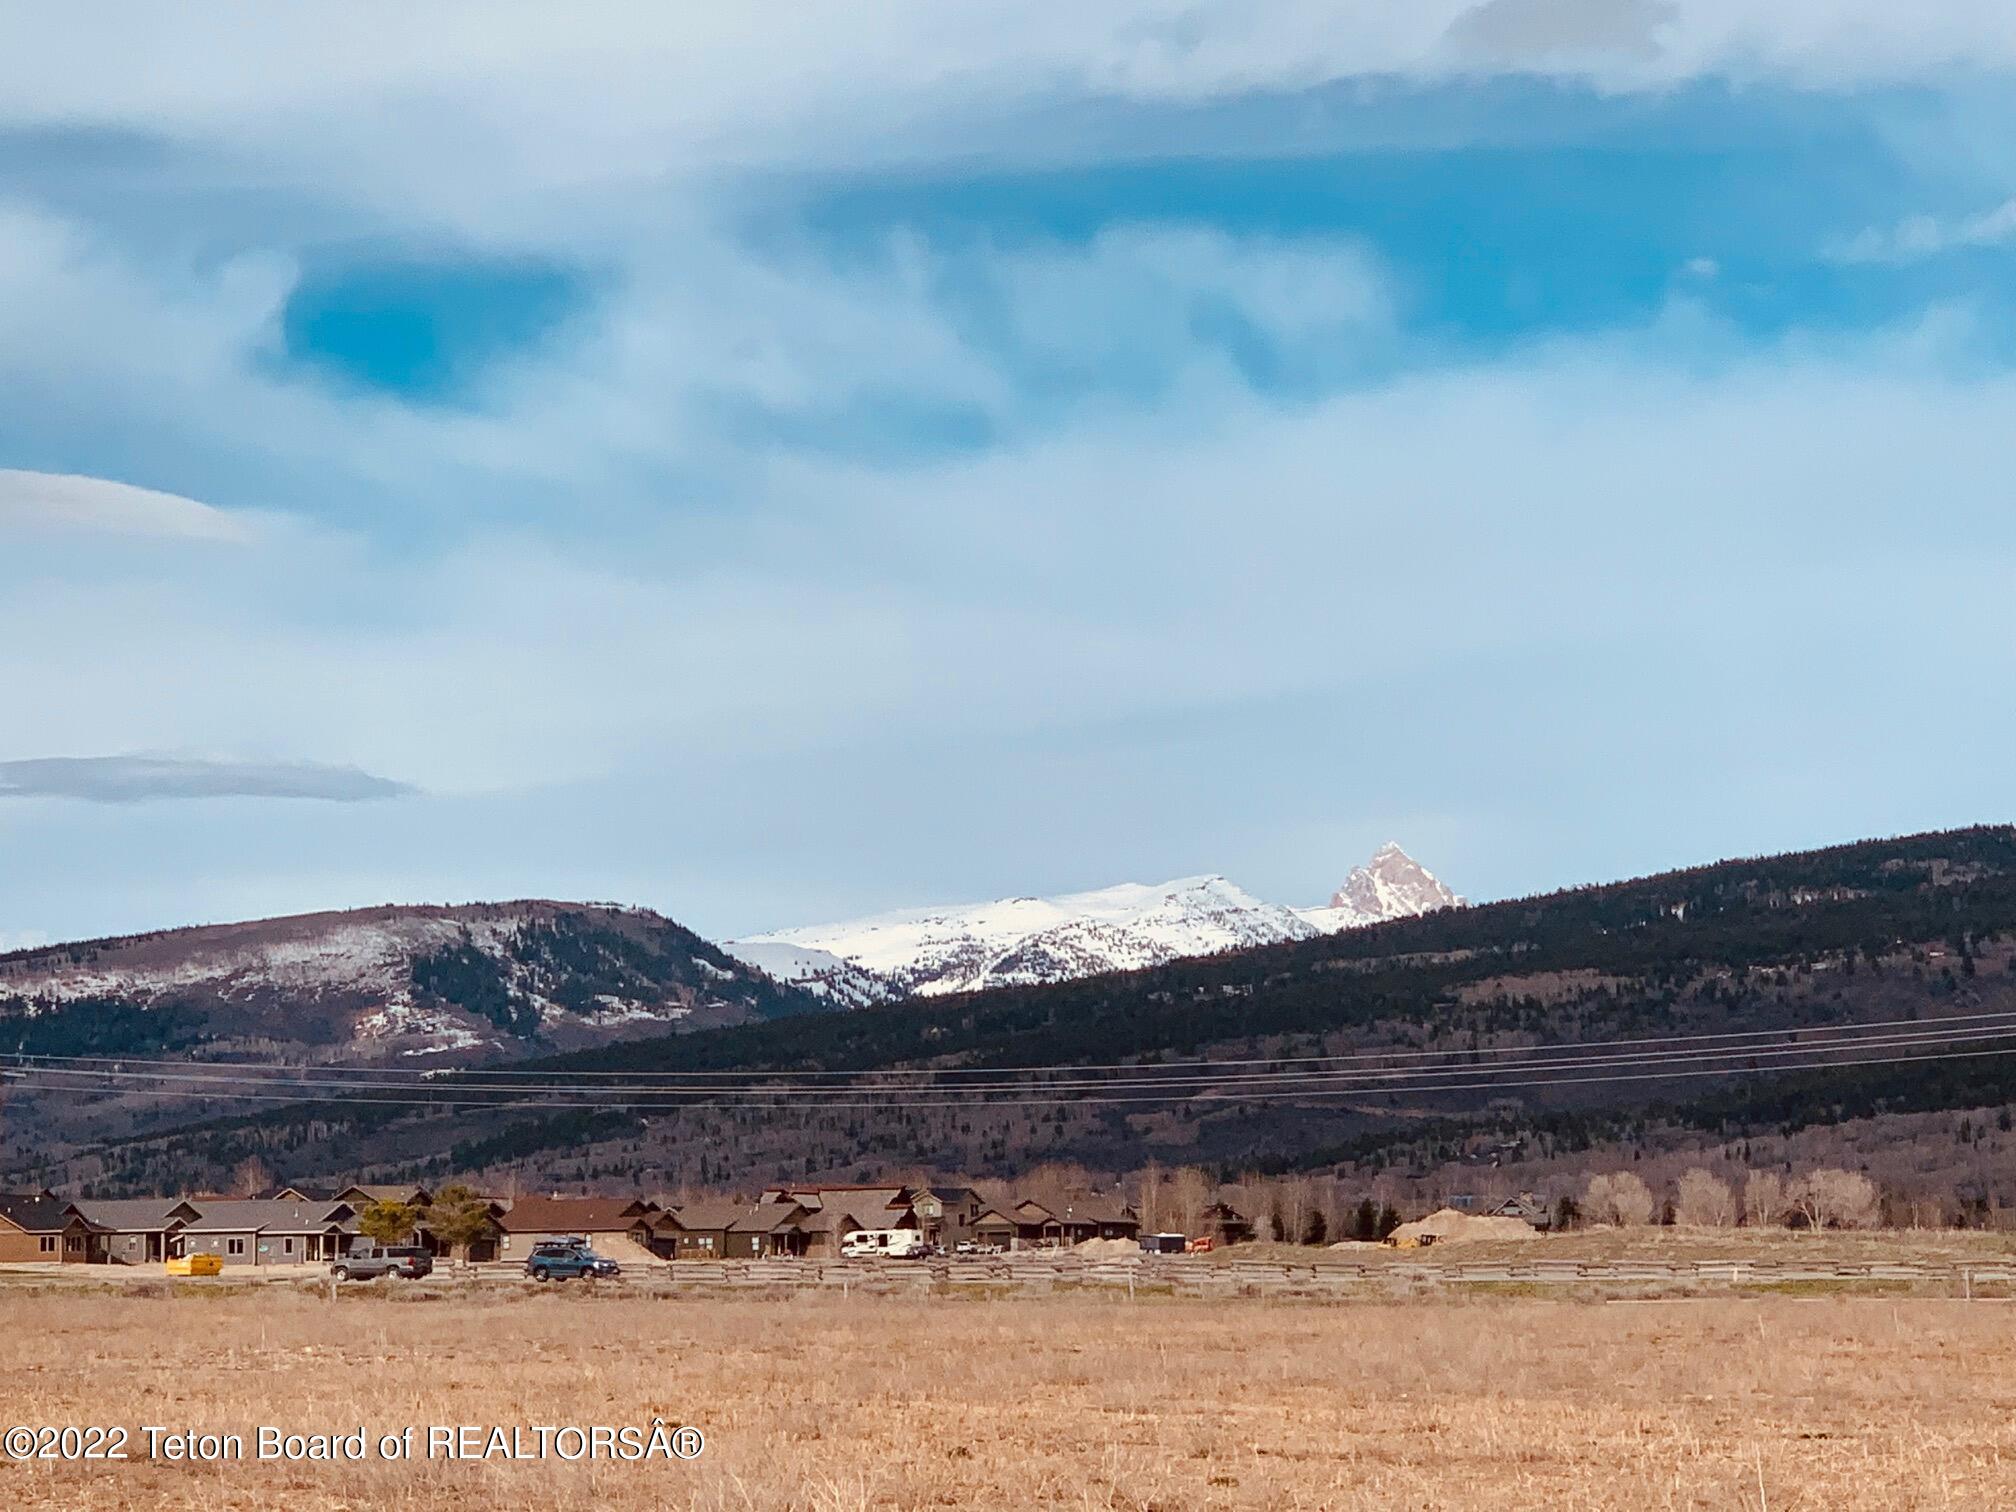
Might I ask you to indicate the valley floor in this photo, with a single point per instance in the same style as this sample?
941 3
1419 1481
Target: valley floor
823 1403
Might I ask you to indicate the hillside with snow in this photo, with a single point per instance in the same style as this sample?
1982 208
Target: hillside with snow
928 952
448 983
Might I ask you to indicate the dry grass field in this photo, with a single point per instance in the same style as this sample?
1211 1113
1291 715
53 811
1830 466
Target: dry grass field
1063 1402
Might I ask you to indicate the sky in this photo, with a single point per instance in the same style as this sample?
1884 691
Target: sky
777 469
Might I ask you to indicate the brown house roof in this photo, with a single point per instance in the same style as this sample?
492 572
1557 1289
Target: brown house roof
37 1212
135 1215
1098 1210
415 1194
573 1215
715 1216
854 1198
249 1215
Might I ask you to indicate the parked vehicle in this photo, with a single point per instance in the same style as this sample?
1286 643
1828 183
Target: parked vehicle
568 1260
976 1247
402 1262
890 1244
195 1265
1203 1245
1164 1244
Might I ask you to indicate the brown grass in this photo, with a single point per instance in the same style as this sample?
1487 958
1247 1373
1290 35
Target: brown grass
1677 1243
824 1404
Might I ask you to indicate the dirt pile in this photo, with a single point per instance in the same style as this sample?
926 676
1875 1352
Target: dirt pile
1108 1249
1447 1226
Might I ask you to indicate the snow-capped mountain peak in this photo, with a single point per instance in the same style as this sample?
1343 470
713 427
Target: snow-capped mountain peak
1021 941
1392 885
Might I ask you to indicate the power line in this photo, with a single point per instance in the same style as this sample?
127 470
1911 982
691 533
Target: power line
459 1077
1974 1028
1262 1095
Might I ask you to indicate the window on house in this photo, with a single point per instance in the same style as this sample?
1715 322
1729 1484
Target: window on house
287 1246
48 1245
234 1246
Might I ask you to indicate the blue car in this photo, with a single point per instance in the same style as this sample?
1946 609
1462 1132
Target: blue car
568 1260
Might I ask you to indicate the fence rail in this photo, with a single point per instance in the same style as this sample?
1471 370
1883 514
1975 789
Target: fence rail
1194 1277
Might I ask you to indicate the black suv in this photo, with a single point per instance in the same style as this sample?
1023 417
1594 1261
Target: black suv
567 1259
404 1262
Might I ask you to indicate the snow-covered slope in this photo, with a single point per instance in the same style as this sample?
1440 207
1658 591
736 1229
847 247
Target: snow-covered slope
1020 941
1016 941
1392 885
832 977
511 978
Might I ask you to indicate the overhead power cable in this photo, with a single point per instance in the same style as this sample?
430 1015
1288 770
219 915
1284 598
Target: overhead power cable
758 1086
1811 1033
299 1093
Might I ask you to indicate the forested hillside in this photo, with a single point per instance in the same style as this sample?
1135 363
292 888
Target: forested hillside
1911 938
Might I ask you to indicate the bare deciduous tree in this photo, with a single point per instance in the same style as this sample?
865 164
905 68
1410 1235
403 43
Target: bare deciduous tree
1149 1203
1763 1199
1618 1197
1832 1198
1705 1199
251 1177
1190 1192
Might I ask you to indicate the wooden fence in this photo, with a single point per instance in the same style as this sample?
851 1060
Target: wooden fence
1039 1274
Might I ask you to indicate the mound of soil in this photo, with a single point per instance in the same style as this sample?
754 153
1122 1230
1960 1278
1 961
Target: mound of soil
1447 1226
1108 1249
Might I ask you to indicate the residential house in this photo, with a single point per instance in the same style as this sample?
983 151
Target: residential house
700 1230
768 1229
1029 1224
255 1231
1528 1205
996 1228
825 1229
1224 1224
1096 1217
34 1226
483 1248
946 1214
1024 1225
613 1222
137 1230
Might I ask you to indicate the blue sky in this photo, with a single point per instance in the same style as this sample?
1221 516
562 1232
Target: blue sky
771 478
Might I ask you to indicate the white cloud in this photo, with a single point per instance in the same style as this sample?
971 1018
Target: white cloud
57 502
140 779
489 110
1921 236
1200 559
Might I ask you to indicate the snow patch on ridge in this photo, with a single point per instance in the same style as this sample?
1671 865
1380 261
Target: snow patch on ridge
929 952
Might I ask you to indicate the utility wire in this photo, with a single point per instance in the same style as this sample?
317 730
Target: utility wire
1260 1095
460 1077
2002 1027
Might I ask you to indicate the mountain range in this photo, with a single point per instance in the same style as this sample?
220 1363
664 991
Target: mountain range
1019 942
444 984
1727 972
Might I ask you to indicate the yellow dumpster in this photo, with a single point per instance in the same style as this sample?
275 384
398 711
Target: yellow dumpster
196 1265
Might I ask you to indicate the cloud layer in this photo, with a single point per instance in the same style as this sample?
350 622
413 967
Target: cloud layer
137 779
981 450
50 502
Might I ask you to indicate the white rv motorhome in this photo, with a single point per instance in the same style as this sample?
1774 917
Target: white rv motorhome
895 1244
